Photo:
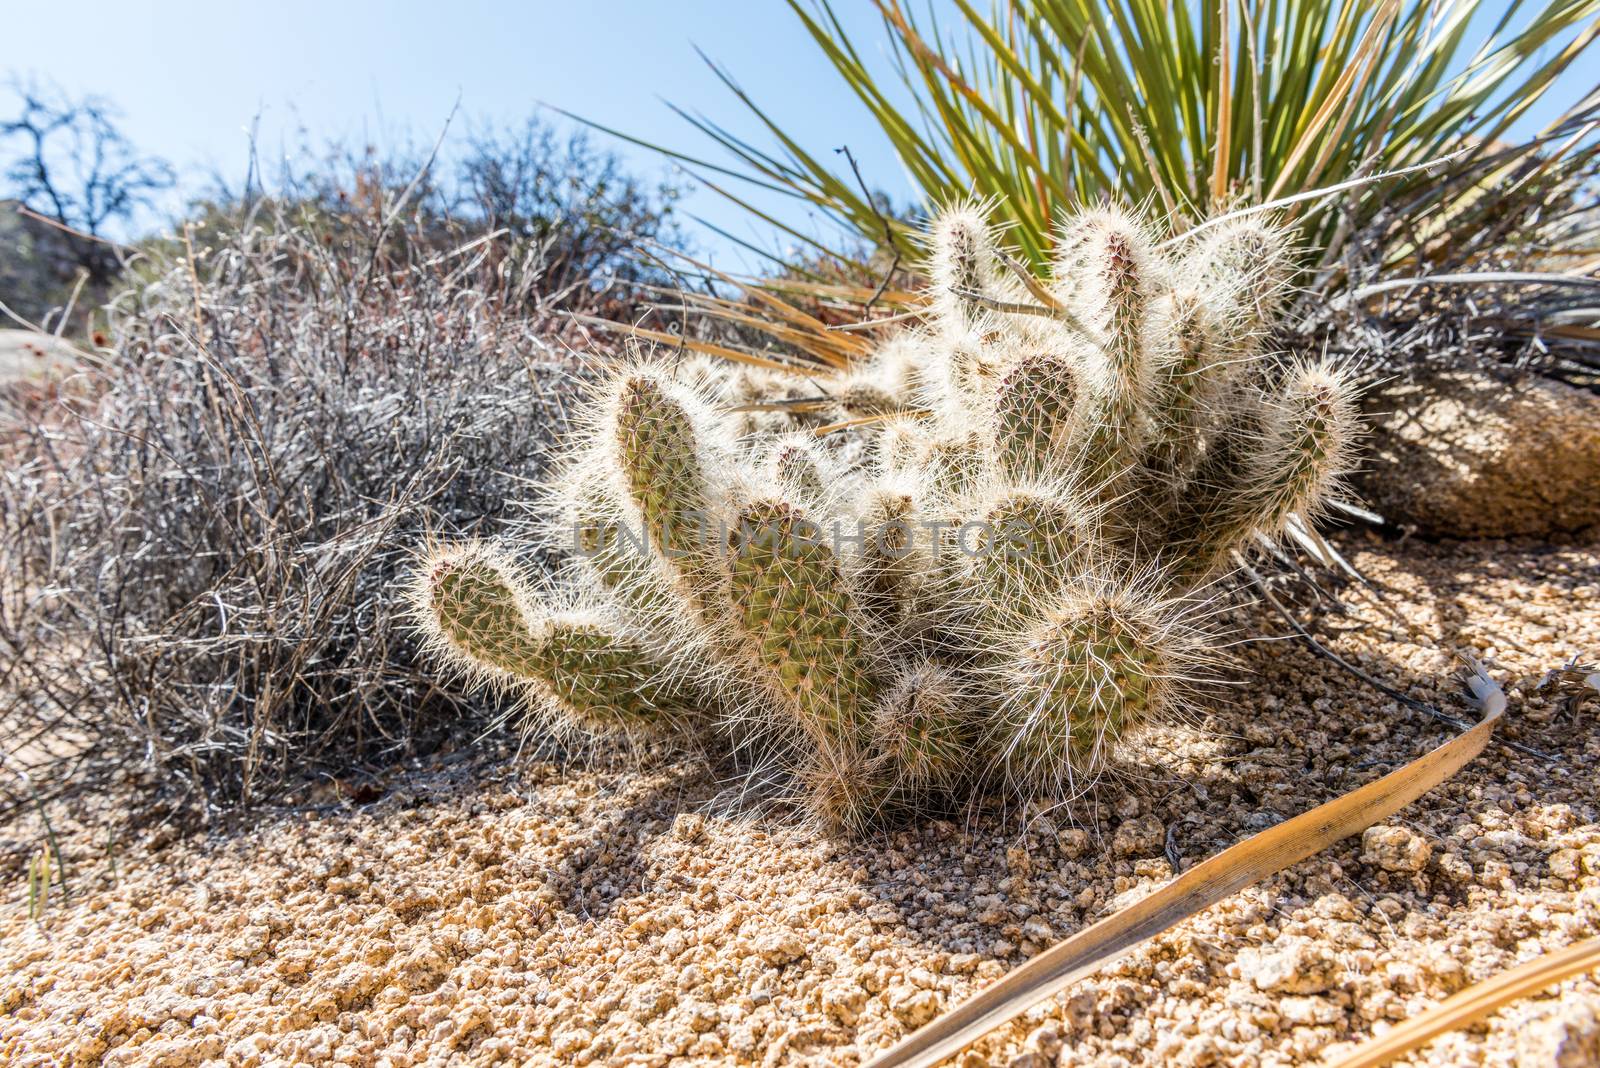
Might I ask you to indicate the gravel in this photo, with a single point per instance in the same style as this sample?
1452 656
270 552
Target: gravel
484 910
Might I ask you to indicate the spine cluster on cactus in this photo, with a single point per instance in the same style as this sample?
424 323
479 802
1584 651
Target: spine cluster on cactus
987 575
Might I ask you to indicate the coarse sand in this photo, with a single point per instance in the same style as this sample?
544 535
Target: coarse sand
483 910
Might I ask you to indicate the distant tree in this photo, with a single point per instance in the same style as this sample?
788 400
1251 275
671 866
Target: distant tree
67 160
565 217
578 202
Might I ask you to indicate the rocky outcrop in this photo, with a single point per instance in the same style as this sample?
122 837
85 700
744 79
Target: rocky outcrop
1463 454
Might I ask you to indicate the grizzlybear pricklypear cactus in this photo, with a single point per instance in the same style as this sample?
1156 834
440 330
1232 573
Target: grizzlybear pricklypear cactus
990 565
797 613
1083 672
486 620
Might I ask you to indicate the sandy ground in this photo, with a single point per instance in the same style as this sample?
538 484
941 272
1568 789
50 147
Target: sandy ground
485 911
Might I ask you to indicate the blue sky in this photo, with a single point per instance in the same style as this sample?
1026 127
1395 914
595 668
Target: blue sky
190 76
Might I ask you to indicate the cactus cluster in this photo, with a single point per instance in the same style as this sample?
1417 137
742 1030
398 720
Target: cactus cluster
992 574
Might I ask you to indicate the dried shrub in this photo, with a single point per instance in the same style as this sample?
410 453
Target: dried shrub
198 531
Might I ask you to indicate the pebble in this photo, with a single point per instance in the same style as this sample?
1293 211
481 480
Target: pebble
1140 837
1301 967
619 909
1395 848
1568 1036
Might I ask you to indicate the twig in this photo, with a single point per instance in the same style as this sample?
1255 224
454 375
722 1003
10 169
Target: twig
870 324
1042 294
1009 307
73 231
888 230
1389 691
1516 278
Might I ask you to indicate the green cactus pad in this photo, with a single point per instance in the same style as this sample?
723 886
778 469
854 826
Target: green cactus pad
596 677
1112 428
1244 265
603 679
1294 449
925 731
893 558
1127 295
659 450
483 613
1192 355
615 553
1083 677
953 467
1307 435
1034 407
794 462
791 601
1028 545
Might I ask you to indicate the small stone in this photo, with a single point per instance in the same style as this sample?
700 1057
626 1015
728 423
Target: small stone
1395 848
1260 735
779 949
1300 967
963 963
1568 1037
1073 842
650 1001
1139 837
1455 867
911 1006
702 1017
1036 930
1199 1052
843 1000
1045 1040
1566 865
1309 1010
689 827
1027 1060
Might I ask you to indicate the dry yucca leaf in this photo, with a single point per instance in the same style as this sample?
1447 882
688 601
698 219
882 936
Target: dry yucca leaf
1477 1001
1196 890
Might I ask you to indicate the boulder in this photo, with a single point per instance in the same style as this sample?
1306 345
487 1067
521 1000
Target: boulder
1460 453
26 356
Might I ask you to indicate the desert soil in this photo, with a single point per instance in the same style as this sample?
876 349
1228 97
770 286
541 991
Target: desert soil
484 910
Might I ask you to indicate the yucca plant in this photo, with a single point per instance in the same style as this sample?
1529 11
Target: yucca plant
1040 106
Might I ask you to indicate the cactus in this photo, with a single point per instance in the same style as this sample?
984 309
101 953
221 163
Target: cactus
1295 447
987 572
799 617
1028 542
485 619
962 265
1035 403
1084 673
1115 301
658 451
798 463
924 730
